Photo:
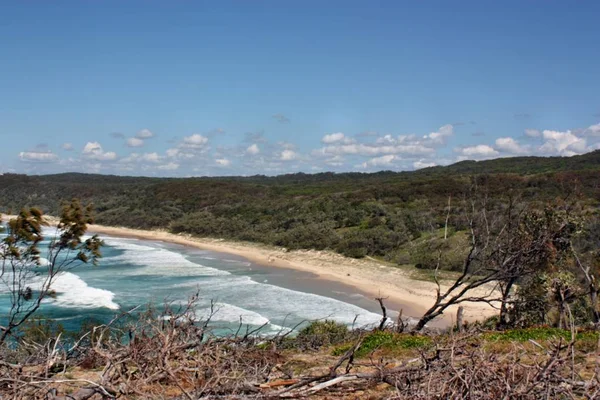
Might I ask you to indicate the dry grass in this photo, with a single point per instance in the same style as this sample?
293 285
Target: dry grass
173 357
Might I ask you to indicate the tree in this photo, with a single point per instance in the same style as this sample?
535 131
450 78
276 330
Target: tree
504 250
25 275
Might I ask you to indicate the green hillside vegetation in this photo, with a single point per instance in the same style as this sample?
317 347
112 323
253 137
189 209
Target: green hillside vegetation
394 216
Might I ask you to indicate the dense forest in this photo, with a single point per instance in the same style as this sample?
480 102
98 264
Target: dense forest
392 215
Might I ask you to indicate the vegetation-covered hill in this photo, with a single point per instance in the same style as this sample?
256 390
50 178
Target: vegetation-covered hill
356 214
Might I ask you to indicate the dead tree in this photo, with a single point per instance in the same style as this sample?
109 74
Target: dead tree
592 288
503 250
383 313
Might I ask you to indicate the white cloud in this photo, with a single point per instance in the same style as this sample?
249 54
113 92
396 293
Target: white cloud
135 142
562 143
423 164
195 141
151 157
91 147
172 152
168 167
441 135
35 156
333 151
108 156
253 149
94 151
510 145
288 155
335 161
405 145
400 139
387 139
593 130
479 151
383 161
144 134
374 149
332 138
338 137
533 133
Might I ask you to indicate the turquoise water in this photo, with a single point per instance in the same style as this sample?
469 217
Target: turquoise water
136 272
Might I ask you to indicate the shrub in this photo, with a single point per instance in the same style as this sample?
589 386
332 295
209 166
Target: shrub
322 333
424 255
386 340
40 330
378 241
309 236
539 333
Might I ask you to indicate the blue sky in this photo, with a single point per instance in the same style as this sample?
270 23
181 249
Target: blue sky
183 88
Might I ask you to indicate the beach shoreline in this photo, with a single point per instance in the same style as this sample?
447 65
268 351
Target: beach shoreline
414 297
369 276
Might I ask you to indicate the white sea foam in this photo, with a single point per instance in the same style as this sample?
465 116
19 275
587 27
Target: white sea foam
215 284
43 262
71 290
74 292
280 304
145 263
156 261
229 313
274 329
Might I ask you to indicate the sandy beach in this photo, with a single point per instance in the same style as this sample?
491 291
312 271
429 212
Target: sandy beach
367 275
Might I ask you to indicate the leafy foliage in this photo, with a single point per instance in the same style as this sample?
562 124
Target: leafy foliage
322 333
538 333
386 340
354 214
22 275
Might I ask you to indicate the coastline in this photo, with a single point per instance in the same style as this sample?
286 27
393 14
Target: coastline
369 276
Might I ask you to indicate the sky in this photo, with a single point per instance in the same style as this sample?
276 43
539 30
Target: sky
195 88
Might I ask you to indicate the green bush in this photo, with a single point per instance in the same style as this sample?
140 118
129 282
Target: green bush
378 241
322 333
310 236
451 252
40 330
386 340
538 333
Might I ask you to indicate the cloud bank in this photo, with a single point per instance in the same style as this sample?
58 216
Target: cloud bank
216 152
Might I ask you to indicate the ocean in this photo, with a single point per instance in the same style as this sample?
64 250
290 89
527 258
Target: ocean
134 272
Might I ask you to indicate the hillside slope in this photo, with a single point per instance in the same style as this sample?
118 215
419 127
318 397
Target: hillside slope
356 214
